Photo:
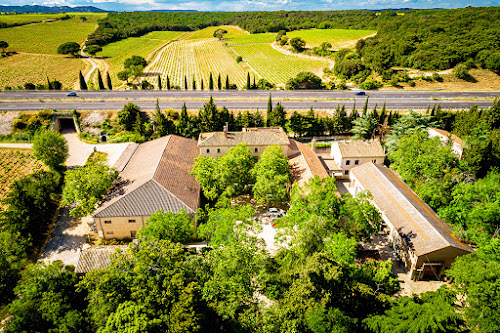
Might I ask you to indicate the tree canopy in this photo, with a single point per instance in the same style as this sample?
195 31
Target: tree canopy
50 147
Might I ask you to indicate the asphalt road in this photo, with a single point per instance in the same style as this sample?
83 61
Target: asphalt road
240 99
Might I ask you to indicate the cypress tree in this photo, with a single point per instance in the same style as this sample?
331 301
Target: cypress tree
254 86
168 83
211 82
219 83
83 84
269 112
227 82
108 79
365 107
185 83
248 81
100 83
48 84
194 83
159 82
202 86
383 115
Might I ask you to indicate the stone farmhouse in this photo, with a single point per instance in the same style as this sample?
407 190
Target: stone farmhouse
217 144
457 145
349 154
155 177
424 242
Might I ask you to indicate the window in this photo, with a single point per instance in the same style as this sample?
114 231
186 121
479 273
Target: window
346 172
347 162
131 221
218 150
256 150
208 151
356 162
374 161
109 232
132 233
107 222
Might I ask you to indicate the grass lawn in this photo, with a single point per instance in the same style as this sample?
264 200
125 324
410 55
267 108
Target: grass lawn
197 59
15 164
338 37
209 32
47 36
22 68
275 66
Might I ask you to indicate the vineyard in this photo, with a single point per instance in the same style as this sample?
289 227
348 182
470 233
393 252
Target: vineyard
15 164
35 68
116 53
338 37
275 66
46 37
251 39
197 59
27 18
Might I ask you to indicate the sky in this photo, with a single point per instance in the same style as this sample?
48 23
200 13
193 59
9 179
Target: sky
254 5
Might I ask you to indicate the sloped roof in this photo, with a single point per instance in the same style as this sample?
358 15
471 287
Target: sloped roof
446 134
415 221
156 177
360 148
251 136
97 257
312 160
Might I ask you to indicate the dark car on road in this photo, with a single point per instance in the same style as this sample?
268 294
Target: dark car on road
71 94
360 93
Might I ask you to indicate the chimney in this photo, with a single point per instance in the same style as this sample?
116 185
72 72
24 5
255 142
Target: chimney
226 128
313 144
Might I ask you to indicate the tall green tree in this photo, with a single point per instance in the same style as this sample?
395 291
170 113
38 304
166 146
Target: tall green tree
208 116
85 187
194 83
127 117
248 82
51 148
278 118
205 173
234 170
269 111
168 83
100 83
177 228
71 48
272 176
185 83
83 84
159 82
227 82
219 82
211 82
108 80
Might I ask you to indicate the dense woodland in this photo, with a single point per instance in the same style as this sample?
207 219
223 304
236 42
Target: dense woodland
423 39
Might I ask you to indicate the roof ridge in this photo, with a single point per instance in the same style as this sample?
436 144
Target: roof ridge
175 196
163 152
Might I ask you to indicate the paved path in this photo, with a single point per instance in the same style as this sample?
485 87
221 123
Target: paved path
16 145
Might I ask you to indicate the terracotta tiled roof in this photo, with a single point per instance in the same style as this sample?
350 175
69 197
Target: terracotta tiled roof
446 134
97 257
415 221
360 148
156 177
251 136
312 160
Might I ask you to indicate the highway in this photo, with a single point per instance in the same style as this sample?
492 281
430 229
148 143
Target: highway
240 99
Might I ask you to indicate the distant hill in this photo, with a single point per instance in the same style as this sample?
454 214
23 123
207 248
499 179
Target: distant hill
50 10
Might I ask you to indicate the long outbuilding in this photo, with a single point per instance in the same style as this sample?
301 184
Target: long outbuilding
424 241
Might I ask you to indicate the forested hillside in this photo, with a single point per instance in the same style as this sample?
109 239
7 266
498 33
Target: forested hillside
423 39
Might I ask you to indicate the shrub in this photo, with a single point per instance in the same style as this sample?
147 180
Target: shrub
304 80
461 71
239 59
370 84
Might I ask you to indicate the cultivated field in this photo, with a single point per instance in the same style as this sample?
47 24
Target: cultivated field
27 18
15 164
251 39
46 37
338 37
209 32
19 69
116 53
197 58
275 66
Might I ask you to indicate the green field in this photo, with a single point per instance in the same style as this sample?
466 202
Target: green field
197 59
209 32
251 39
46 37
338 37
22 68
27 18
275 66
